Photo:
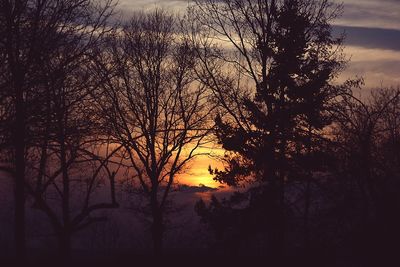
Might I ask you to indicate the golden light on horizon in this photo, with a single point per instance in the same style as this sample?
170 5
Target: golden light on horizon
197 170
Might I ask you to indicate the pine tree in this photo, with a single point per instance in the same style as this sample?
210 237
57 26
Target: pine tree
292 58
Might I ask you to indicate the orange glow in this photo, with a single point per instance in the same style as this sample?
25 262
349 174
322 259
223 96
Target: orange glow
197 171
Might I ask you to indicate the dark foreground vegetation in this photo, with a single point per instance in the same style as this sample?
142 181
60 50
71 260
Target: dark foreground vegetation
97 111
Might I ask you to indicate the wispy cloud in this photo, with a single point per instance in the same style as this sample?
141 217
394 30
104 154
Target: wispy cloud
378 67
372 42
371 13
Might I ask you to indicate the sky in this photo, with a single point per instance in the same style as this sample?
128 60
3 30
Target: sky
373 40
372 44
373 36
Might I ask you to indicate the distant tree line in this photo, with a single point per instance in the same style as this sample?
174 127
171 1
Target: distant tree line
85 97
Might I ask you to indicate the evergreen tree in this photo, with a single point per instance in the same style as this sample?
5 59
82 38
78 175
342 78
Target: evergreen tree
286 49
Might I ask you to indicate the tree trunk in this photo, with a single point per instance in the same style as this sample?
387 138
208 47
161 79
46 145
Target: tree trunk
19 145
65 246
157 235
307 198
157 227
65 237
275 218
278 227
307 212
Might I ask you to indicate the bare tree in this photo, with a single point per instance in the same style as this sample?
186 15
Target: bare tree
154 106
367 136
42 41
72 159
367 132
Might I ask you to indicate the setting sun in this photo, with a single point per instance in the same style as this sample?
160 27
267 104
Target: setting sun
197 172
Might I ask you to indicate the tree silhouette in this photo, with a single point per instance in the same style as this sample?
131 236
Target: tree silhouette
286 51
43 46
155 108
367 152
98 111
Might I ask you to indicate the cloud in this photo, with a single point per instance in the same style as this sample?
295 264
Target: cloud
196 189
370 37
375 73
379 67
128 5
364 13
373 38
361 54
371 13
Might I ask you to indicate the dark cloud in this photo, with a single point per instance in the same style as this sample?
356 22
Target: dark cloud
370 37
197 189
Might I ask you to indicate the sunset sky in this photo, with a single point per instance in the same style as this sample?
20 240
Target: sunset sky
372 44
116 116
